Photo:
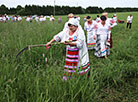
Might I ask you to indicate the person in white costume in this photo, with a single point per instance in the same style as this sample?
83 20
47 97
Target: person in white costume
115 18
77 59
71 15
4 18
129 21
36 18
89 26
112 23
101 33
109 21
98 19
19 18
15 18
41 18
28 19
51 18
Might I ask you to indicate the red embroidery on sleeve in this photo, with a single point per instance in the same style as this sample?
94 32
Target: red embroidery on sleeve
112 21
109 28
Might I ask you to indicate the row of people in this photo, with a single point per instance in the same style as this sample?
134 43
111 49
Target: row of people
14 18
99 42
6 18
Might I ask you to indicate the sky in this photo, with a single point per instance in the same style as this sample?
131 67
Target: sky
82 3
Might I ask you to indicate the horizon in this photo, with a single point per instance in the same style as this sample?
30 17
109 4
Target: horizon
66 5
73 3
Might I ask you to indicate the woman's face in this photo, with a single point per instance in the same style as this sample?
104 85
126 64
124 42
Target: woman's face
103 21
90 22
72 27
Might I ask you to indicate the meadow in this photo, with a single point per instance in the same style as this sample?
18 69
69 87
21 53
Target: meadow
30 78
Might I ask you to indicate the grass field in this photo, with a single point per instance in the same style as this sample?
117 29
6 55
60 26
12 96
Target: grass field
31 79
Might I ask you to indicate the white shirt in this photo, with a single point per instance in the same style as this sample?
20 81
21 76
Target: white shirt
89 27
99 29
19 18
129 19
52 19
15 18
37 18
41 19
98 19
115 18
4 18
28 19
111 22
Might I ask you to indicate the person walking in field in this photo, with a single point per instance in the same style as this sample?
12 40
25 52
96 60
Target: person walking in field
71 15
77 59
19 18
59 19
51 18
112 23
115 18
98 19
88 26
36 18
101 33
129 21
28 19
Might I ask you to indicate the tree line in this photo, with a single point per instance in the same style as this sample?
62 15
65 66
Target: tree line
59 10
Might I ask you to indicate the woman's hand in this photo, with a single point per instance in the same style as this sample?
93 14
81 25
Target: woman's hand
66 42
108 40
48 45
70 43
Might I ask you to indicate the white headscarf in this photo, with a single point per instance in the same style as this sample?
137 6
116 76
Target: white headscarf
73 21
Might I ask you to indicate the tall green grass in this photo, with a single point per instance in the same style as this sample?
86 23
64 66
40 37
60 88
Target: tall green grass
31 79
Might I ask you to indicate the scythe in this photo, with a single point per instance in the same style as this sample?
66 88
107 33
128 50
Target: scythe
39 45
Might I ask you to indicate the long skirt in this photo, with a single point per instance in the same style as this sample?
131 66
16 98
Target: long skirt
91 43
72 59
102 48
71 64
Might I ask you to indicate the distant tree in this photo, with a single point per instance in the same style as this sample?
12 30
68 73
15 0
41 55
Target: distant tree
21 12
93 10
101 10
12 11
66 10
59 10
110 9
19 7
4 9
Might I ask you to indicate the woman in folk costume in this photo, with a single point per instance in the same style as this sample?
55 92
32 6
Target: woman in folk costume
101 33
77 59
115 18
112 23
88 26
98 19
